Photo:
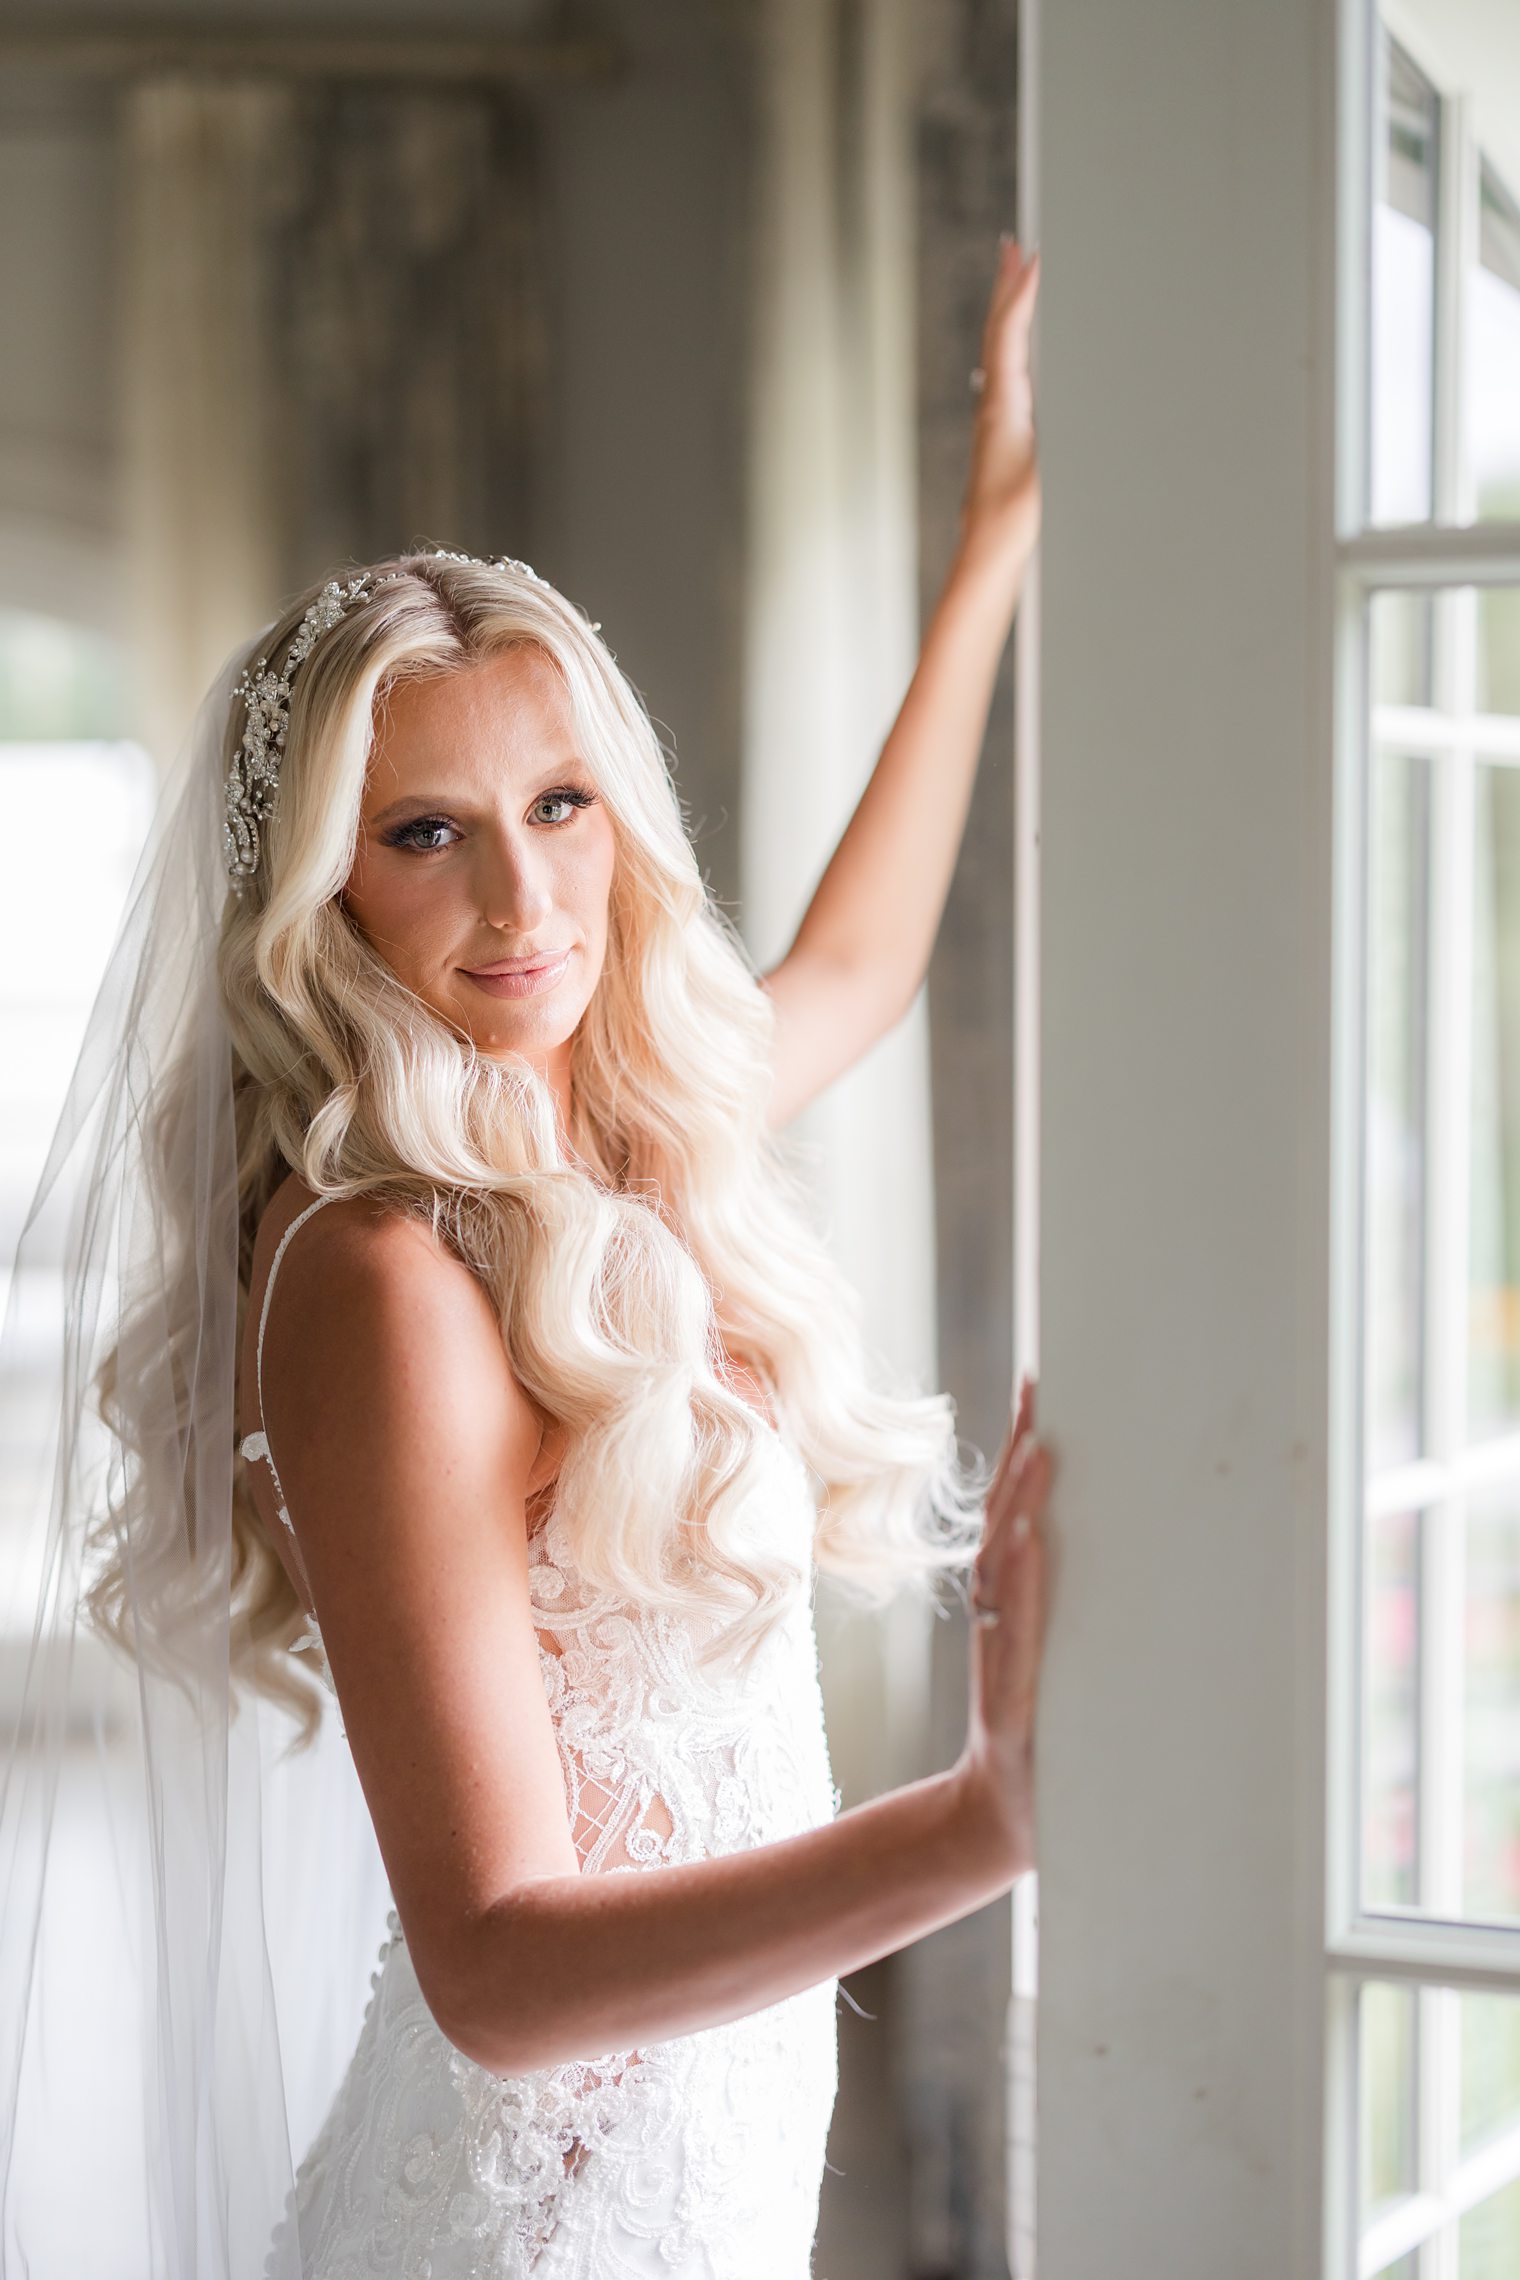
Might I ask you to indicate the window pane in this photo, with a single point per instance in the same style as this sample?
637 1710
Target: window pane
1391 1744
1403 289
1389 2152
1490 2030
1398 967
1493 355
1498 645
1426 2203
1403 629
1494 1306
1491 1709
1488 2239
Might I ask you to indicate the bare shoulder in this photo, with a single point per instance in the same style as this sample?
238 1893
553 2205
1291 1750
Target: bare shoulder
375 1321
359 1245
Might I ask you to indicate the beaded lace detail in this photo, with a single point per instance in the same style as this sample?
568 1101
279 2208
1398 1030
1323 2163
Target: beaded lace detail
697 2158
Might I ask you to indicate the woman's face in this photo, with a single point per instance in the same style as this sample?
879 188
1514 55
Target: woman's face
482 841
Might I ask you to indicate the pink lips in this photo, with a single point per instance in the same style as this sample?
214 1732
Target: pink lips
519 977
518 965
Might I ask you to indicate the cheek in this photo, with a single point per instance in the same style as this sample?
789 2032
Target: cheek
587 882
398 908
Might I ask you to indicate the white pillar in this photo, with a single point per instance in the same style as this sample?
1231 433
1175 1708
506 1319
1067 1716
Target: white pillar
1186 204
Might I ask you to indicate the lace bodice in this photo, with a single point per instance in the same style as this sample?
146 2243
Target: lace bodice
698 2158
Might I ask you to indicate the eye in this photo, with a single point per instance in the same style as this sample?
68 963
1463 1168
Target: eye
570 794
419 833
401 834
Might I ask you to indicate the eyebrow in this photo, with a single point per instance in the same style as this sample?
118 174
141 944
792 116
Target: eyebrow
412 799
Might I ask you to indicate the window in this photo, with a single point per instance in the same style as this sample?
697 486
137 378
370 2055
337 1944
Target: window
1425 1869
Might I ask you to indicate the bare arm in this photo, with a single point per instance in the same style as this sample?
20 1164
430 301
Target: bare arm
575 1968
405 1454
568 1970
863 947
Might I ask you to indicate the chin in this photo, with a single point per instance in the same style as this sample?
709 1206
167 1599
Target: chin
531 1039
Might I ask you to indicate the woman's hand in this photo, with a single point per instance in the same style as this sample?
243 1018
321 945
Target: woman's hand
1000 515
996 1767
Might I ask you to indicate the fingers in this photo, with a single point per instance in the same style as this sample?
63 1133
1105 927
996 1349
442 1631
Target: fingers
1028 1486
1015 1503
1012 305
1025 1602
1011 1577
1015 1451
1017 280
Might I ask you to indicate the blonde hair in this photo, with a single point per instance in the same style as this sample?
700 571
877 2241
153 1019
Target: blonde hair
620 1265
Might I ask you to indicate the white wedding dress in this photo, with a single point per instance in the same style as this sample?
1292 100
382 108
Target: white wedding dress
696 2158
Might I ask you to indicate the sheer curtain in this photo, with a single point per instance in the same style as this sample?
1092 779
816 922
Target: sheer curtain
831 641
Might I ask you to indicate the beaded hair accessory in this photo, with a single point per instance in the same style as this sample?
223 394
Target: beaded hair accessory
254 774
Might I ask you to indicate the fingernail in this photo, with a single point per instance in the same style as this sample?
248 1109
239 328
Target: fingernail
1020 1526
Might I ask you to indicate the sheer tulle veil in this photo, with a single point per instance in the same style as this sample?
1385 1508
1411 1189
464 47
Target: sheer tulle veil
188 1910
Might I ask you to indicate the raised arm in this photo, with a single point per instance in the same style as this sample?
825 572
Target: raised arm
406 1449
862 949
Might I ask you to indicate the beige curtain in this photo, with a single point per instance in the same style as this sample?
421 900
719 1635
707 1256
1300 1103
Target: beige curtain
831 637
200 515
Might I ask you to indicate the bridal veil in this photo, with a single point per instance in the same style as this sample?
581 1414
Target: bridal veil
188 1910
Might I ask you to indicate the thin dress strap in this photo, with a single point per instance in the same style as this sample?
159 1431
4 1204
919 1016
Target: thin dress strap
256 1444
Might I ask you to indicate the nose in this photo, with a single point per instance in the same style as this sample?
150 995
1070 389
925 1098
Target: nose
514 886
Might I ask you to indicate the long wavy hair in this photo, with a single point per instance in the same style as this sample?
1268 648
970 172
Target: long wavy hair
624 1260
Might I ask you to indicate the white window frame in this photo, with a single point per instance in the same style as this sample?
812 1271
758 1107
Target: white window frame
1453 556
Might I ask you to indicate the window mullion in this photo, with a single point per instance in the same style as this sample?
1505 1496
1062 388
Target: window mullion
1455 246
1449 1078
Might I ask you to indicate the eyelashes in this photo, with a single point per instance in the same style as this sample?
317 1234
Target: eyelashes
404 834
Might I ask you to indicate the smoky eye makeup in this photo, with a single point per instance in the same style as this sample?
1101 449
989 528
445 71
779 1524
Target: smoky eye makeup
405 834
412 831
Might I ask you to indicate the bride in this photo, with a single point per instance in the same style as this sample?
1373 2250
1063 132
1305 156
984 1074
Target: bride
547 1408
